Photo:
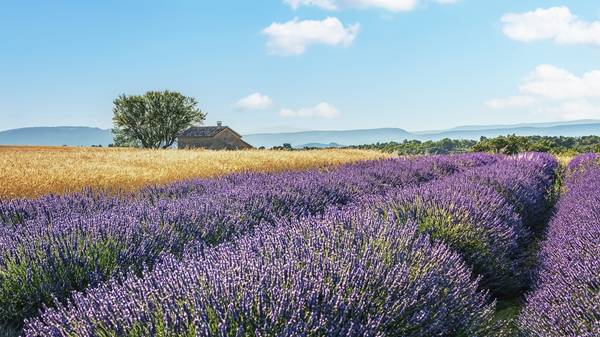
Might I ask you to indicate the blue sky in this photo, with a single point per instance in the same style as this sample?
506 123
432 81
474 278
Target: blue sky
304 64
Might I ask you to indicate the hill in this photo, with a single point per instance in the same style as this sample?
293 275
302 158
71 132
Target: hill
513 126
371 136
568 130
86 136
57 136
319 146
346 137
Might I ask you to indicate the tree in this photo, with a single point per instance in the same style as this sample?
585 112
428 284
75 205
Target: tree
153 120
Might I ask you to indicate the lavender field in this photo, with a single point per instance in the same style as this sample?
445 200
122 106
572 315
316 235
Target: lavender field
463 245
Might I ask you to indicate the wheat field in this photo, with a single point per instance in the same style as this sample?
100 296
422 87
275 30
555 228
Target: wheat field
27 172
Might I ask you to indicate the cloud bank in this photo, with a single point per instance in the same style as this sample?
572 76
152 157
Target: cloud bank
321 110
556 24
294 37
556 91
256 101
389 5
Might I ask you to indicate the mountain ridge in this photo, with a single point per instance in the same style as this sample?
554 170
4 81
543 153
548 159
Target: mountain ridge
517 125
57 136
370 136
88 136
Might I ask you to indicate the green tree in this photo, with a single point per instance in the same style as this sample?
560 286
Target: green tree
153 120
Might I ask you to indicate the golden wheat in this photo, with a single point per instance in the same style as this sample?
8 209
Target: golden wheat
34 171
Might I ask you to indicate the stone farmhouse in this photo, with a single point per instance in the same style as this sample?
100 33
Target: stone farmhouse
212 138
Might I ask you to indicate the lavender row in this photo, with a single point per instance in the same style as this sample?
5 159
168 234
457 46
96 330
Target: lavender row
56 245
566 299
485 214
368 177
348 274
237 301
482 223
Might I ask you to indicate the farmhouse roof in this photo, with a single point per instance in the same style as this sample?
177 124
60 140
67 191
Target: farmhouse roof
205 131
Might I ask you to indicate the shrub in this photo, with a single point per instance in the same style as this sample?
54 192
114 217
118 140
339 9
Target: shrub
526 181
473 220
63 244
565 299
347 274
479 220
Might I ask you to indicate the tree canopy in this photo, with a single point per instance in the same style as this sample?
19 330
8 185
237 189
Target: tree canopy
153 120
509 144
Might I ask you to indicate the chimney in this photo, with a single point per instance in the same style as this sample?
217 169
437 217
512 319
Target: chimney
219 123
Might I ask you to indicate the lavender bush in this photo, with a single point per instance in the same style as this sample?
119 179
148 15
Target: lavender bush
526 181
473 220
475 214
347 274
364 177
566 299
56 245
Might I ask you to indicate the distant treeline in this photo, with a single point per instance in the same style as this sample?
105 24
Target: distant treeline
510 144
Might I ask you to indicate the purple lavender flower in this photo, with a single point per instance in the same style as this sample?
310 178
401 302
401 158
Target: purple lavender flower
566 299
347 274
55 245
477 214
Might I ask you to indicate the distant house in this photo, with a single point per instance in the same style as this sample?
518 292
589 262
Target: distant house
211 137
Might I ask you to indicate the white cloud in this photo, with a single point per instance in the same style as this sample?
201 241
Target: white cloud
574 110
389 5
325 4
322 110
293 37
548 82
556 23
557 92
256 101
552 82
